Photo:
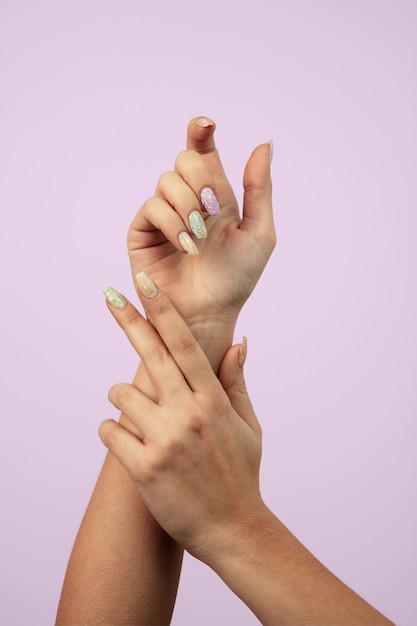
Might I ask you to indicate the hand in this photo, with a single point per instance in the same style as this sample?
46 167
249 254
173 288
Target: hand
196 463
209 288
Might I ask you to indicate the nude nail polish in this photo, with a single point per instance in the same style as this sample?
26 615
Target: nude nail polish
271 150
197 225
209 201
187 244
146 286
114 298
205 122
243 351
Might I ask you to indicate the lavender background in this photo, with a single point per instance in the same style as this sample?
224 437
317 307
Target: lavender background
95 98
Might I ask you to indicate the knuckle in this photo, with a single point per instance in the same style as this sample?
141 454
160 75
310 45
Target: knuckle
120 394
184 344
163 458
148 205
197 423
157 353
133 318
164 180
160 307
111 437
173 447
189 160
182 158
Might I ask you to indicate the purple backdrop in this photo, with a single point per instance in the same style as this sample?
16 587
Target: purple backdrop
95 98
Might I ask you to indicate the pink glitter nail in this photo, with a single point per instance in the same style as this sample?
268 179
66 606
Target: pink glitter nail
209 201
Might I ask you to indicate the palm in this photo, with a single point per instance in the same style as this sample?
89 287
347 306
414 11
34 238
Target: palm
215 283
218 280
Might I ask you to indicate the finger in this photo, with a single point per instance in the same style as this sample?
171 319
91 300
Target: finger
177 337
137 407
124 445
200 138
194 171
179 195
257 202
162 370
200 135
160 216
232 378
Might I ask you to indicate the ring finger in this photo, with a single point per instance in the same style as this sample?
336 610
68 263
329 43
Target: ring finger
177 193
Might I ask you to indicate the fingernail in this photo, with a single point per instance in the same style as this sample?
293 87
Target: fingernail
187 244
197 225
242 352
271 150
205 122
146 286
209 201
114 298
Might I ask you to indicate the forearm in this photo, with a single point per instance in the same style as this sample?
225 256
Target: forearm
283 583
124 569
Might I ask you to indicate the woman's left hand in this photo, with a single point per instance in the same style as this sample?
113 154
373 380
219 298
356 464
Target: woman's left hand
196 461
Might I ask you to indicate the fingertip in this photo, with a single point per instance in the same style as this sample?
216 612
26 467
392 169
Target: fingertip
200 134
114 298
103 430
257 175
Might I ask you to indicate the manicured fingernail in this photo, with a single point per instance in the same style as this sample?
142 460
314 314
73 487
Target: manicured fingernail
271 150
146 286
197 225
114 298
187 244
209 201
242 353
205 122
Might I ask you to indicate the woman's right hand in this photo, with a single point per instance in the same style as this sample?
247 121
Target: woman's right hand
208 288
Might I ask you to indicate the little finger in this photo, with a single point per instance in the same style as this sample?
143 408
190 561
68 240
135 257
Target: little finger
124 445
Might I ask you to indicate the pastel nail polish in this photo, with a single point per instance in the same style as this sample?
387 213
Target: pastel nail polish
114 298
146 286
271 150
209 201
197 225
187 244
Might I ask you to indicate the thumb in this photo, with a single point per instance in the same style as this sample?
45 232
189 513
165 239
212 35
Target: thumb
233 381
257 200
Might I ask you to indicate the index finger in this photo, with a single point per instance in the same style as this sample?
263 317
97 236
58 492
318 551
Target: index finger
177 337
200 135
200 138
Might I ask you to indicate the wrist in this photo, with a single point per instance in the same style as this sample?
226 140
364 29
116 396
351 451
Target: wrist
234 545
215 336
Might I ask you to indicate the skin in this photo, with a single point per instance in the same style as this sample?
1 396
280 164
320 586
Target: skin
124 568
196 466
